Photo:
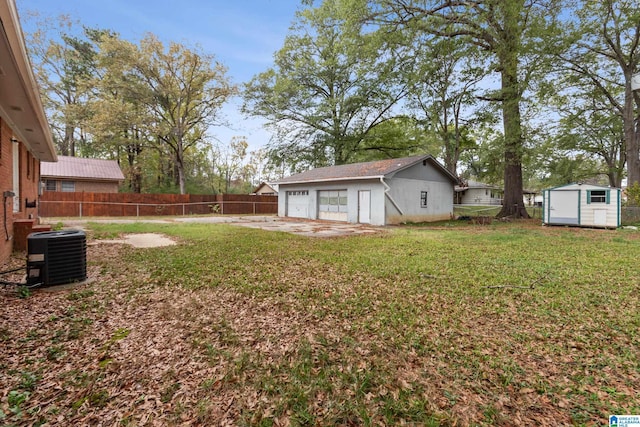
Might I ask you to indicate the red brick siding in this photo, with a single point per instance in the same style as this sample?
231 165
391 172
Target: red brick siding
87 186
28 186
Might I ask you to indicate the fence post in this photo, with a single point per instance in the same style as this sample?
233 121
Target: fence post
137 209
183 209
80 209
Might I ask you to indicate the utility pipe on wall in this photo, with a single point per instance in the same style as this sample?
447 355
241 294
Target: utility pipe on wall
386 193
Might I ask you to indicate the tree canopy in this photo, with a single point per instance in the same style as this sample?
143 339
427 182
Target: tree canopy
519 93
333 82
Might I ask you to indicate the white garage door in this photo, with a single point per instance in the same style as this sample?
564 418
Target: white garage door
298 204
333 205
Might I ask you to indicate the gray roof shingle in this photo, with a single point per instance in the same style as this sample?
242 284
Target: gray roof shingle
81 168
374 169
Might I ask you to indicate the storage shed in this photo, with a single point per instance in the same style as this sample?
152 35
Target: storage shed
409 189
582 205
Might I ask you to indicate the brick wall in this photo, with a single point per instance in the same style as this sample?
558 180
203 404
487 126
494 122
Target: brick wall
29 168
86 186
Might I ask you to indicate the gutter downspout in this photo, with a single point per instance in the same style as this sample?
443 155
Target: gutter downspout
386 193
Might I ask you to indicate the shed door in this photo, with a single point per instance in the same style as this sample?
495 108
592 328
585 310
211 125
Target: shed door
298 204
599 217
564 207
364 207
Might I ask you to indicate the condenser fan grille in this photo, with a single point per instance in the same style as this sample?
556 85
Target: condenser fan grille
56 257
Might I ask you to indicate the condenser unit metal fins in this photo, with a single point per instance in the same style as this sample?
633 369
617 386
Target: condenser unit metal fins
56 257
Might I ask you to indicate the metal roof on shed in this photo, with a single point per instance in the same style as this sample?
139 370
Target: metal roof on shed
81 168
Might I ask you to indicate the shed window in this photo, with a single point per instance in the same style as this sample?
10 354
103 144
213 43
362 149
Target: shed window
597 196
423 199
68 186
50 185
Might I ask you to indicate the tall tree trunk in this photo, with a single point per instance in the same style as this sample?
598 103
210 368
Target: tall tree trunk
630 134
180 168
67 145
513 202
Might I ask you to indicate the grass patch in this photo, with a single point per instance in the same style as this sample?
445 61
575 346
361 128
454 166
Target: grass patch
460 325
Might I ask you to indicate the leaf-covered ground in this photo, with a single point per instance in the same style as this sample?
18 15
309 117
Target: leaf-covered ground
502 325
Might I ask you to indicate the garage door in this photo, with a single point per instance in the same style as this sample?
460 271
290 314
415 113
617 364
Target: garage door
298 204
333 205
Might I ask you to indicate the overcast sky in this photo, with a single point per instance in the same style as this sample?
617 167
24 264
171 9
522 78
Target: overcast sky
242 34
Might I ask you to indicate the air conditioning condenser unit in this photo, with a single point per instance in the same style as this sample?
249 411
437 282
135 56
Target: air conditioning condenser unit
56 257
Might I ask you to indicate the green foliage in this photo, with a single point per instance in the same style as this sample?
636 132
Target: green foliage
147 105
444 92
633 194
16 400
333 82
23 292
183 89
292 329
515 37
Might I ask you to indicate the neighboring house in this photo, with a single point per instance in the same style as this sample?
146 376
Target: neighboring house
266 189
477 193
76 174
25 138
531 198
583 205
410 189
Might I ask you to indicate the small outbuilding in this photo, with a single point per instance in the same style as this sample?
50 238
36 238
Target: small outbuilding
583 205
77 174
409 189
266 189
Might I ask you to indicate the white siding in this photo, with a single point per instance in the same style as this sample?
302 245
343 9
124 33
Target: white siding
406 195
590 214
352 188
402 191
480 196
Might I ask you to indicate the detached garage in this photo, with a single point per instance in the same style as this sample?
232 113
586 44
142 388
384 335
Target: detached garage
582 205
410 189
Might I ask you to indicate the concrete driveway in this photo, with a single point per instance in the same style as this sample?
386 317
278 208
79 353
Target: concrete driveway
267 222
290 225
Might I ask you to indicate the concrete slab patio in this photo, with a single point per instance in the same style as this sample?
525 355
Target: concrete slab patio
265 222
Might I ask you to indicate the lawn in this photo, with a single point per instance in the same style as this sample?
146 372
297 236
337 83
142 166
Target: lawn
508 324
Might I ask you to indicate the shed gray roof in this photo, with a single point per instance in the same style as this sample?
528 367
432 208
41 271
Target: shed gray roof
81 168
368 170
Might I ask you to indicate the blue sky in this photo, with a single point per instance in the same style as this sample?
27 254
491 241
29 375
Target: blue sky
242 34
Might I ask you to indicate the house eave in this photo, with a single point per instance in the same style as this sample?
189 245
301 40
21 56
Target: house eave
315 181
20 104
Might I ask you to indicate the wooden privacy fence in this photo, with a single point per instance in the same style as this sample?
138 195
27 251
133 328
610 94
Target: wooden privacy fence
63 204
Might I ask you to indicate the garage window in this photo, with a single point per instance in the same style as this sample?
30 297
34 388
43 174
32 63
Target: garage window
333 201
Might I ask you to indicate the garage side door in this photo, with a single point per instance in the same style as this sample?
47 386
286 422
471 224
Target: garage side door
564 207
298 204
